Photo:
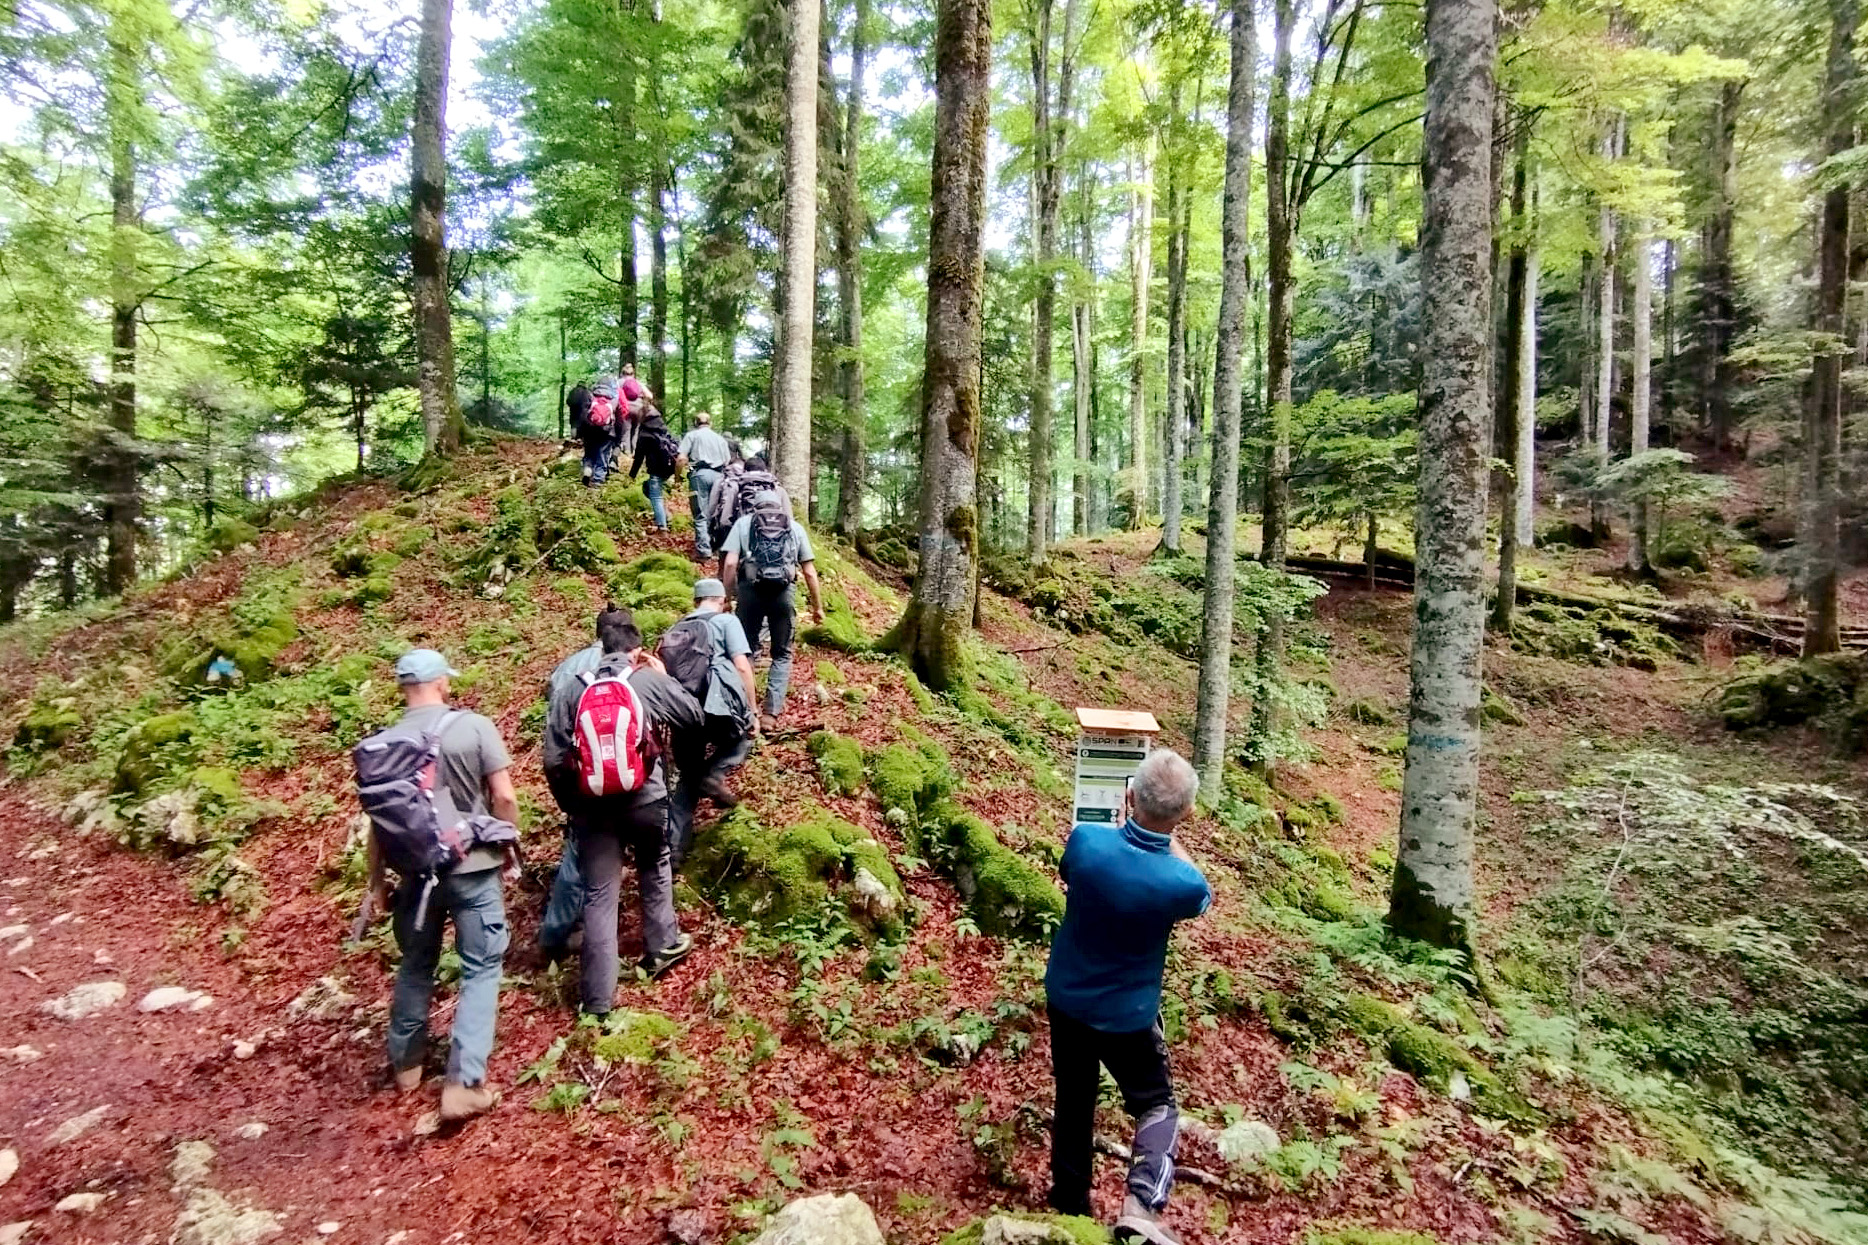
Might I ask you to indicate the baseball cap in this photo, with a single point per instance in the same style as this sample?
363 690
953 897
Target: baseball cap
424 665
706 588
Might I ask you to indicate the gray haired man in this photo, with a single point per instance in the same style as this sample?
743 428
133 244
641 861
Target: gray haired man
1126 886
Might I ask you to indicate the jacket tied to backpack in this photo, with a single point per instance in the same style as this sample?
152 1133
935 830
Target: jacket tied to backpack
412 815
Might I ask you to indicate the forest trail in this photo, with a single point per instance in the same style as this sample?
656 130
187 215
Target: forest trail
783 1060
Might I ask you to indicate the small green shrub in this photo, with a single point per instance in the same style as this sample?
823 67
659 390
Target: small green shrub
154 749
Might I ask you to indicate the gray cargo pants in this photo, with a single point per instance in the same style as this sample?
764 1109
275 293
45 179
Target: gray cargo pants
600 843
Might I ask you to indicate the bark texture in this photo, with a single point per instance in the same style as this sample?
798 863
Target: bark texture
850 481
1280 230
1641 369
1228 398
1516 269
940 611
1141 230
1082 377
1823 425
123 485
1432 895
1174 422
1046 138
1718 310
658 283
443 427
1525 456
791 369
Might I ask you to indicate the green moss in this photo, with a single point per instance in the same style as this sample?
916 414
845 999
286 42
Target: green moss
218 790
1006 894
840 631
907 781
839 762
1495 708
658 581
635 1037
1368 713
1062 1230
829 674
49 726
414 542
229 533
761 878
1366 1236
573 590
153 749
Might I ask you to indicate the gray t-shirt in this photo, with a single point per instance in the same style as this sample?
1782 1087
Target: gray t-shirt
739 544
703 447
726 694
471 750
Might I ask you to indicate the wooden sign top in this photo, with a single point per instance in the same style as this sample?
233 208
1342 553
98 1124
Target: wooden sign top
1117 722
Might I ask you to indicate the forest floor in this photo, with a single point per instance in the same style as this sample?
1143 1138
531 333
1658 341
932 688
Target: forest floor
783 1066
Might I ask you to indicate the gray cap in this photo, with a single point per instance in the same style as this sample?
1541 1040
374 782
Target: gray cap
706 589
423 665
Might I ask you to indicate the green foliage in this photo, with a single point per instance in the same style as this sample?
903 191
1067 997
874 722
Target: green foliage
769 880
1590 637
1060 1230
156 748
907 781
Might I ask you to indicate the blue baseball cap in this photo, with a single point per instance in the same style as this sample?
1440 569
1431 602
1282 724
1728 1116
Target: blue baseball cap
423 665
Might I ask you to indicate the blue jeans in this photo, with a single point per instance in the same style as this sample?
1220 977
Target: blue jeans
652 487
565 908
474 903
700 489
778 609
597 457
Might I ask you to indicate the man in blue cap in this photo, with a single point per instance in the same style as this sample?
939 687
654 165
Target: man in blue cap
476 772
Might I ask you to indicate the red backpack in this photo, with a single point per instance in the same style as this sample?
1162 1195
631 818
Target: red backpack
601 411
613 746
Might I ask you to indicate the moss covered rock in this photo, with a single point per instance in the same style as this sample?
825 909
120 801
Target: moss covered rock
839 762
49 725
1026 1228
764 878
1006 894
908 781
229 533
660 582
154 748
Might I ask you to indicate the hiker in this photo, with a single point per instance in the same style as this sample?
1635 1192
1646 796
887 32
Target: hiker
723 684
558 929
475 809
597 427
656 449
634 400
620 792
721 497
1126 886
704 454
765 553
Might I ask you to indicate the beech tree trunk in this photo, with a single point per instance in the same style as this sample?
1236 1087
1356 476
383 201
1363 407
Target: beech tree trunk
1432 895
1587 303
1222 516
1641 367
1281 294
1046 116
1141 230
932 632
1082 375
1517 265
443 428
658 283
1823 442
123 485
850 480
791 368
1526 456
1718 292
1174 421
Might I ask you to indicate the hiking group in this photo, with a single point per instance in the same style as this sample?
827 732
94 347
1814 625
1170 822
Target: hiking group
634 740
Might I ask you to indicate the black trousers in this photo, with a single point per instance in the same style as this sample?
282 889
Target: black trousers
1138 1061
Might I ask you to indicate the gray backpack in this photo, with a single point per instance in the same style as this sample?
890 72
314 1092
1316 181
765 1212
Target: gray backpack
772 550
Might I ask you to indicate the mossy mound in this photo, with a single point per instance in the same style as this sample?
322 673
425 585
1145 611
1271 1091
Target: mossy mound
261 626
635 1037
49 725
1006 894
908 781
154 748
1366 1236
758 877
1026 1227
839 762
229 533
1830 691
660 582
1590 637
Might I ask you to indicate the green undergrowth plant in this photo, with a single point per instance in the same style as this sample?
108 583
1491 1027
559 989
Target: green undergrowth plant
764 878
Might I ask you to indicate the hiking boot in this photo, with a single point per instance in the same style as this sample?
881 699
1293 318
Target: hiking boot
408 1080
656 965
1138 1223
714 788
463 1102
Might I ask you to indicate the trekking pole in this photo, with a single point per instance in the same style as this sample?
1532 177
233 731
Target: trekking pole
366 912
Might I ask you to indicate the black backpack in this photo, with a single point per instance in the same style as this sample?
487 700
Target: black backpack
686 650
659 451
751 484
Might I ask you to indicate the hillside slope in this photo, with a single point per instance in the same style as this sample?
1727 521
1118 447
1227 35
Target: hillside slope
815 1040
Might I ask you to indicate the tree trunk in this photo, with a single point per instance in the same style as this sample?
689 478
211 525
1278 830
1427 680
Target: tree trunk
1175 420
1517 267
1718 291
1587 301
443 428
1823 446
1082 310
932 633
1222 517
791 368
1432 895
1141 230
658 283
1045 196
1526 456
564 378
1641 368
850 290
486 350
1281 300
123 488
